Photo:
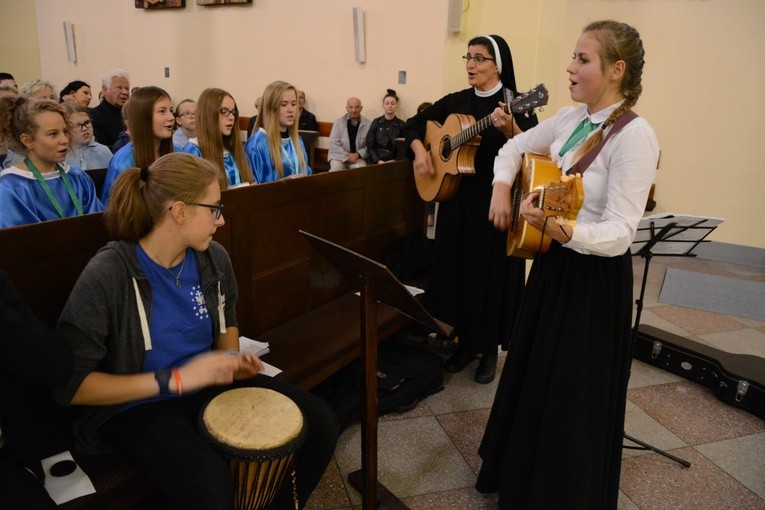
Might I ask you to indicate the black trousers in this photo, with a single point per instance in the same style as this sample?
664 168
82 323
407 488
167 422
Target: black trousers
162 440
19 488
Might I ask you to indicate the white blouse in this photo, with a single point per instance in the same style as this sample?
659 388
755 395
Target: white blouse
616 184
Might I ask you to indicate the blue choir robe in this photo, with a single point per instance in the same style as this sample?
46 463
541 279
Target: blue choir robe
121 161
229 163
256 150
24 201
89 157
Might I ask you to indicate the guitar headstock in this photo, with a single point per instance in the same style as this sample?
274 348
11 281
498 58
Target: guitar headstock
563 198
534 98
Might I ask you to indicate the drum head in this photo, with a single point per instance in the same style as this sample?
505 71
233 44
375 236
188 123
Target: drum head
255 423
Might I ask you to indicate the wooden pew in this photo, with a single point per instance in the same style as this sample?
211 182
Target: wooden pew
288 294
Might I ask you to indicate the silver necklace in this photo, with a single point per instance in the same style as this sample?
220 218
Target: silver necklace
176 277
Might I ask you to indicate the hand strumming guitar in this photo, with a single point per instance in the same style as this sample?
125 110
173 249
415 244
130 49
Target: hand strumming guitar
422 162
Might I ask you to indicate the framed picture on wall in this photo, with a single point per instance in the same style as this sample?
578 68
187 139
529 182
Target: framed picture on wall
160 4
222 2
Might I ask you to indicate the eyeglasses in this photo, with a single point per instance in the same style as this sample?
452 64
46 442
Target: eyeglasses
478 59
189 115
84 126
216 208
225 112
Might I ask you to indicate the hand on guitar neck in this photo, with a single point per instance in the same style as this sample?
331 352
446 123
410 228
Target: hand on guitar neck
504 121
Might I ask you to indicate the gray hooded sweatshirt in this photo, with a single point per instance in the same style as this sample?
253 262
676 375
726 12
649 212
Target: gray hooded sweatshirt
106 322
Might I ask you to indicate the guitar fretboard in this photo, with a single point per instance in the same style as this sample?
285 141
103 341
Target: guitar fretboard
535 98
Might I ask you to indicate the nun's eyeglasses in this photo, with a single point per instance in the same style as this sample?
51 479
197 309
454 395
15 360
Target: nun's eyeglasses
478 59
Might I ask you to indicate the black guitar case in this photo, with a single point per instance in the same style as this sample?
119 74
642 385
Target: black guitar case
736 379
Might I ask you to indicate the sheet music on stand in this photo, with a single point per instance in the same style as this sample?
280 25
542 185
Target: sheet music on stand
685 232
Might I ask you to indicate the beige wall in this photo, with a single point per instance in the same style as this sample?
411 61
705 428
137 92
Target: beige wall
19 49
700 81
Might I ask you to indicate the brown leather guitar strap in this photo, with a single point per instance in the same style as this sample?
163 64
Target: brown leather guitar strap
586 160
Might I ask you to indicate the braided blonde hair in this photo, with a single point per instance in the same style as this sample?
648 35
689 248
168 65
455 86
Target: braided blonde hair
618 41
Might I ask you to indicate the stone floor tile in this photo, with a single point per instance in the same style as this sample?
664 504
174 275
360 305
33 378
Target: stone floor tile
415 456
697 322
331 493
460 499
693 413
743 458
653 482
465 429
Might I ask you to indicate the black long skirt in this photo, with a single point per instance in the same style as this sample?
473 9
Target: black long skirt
554 436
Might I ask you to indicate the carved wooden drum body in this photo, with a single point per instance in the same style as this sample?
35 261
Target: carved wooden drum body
259 431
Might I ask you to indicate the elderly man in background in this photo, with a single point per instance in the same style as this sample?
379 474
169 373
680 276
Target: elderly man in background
348 139
107 116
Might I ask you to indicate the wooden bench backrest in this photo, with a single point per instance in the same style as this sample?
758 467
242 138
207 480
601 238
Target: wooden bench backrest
279 275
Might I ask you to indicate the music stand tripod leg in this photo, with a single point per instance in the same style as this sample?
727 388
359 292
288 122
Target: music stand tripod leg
646 254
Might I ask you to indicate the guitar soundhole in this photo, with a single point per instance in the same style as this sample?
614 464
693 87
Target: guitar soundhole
446 148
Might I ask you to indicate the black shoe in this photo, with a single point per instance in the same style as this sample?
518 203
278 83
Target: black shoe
458 361
487 369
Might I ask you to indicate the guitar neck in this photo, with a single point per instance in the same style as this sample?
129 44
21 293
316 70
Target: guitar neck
536 97
468 134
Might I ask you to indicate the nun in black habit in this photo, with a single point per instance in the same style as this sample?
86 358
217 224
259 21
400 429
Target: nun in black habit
474 285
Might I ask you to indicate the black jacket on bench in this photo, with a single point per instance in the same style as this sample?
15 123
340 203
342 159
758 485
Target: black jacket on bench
30 354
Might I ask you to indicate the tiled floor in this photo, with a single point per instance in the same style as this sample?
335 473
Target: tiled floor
427 457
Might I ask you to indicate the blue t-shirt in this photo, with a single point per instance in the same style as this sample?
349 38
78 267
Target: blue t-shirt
179 321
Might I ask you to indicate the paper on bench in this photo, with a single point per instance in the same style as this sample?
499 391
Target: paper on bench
412 290
258 349
253 346
66 488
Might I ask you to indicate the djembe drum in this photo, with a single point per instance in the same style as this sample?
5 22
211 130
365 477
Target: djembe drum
259 431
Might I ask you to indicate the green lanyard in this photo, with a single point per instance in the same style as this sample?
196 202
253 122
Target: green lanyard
580 133
77 205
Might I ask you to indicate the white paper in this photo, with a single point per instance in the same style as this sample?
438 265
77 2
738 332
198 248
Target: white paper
66 488
412 290
259 349
270 370
253 346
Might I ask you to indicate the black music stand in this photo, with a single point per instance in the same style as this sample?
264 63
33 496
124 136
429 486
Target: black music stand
375 282
666 235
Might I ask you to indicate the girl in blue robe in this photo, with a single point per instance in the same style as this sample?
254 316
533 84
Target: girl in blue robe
42 187
275 150
150 121
218 138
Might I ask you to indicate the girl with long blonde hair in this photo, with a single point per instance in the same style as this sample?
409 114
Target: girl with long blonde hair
275 150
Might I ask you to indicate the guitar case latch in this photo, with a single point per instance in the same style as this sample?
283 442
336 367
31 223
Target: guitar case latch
656 349
741 390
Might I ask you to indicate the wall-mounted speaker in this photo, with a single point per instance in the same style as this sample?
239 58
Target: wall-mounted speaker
71 50
454 16
358 35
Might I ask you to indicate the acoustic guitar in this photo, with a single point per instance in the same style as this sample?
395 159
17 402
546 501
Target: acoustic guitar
556 198
453 145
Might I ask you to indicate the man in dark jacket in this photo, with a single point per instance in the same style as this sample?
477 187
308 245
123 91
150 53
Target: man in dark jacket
107 116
